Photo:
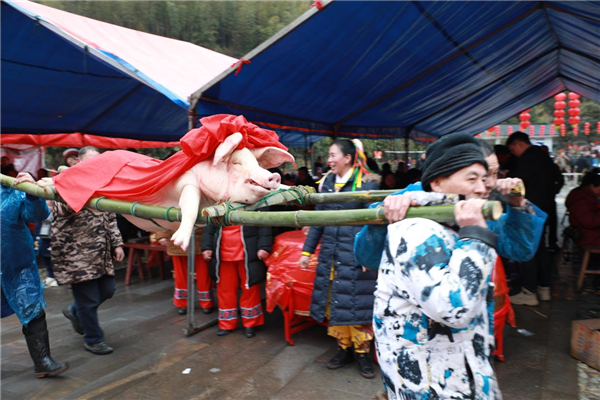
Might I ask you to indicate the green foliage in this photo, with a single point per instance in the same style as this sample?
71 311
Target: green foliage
229 27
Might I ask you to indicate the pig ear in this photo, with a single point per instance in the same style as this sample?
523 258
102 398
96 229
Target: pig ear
271 157
227 147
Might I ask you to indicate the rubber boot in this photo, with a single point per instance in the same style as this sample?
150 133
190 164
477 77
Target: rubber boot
38 343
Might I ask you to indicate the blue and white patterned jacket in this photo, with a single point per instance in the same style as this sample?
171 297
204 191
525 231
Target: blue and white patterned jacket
431 314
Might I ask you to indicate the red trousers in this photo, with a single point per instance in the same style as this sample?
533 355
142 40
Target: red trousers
232 276
203 282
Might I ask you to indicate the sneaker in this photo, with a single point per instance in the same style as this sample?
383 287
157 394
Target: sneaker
525 298
182 310
50 282
543 293
74 321
100 348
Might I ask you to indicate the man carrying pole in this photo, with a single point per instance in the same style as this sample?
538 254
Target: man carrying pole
431 309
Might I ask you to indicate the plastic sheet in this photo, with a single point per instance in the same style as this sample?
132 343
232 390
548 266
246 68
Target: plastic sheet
21 286
287 283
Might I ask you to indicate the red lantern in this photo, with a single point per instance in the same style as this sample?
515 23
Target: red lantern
510 129
531 130
573 96
563 130
573 112
574 120
497 129
559 113
574 103
542 130
490 131
586 128
560 97
560 105
598 128
524 117
552 130
575 129
559 121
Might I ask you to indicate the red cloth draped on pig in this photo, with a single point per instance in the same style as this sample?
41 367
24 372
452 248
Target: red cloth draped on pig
124 175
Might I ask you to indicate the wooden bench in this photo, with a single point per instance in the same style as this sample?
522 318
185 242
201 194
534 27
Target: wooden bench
156 252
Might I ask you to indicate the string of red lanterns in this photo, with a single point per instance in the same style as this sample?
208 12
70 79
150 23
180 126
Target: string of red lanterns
574 111
559 109
559 126
524 117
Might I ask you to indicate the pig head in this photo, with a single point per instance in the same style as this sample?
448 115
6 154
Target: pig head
230 175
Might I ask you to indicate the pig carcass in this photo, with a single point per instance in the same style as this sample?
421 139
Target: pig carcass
224 160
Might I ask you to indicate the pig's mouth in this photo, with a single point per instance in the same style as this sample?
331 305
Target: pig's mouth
258 186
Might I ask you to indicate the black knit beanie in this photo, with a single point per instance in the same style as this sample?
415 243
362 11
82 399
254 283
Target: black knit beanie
449 154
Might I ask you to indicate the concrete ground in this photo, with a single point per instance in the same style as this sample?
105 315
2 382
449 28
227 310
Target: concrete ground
151 353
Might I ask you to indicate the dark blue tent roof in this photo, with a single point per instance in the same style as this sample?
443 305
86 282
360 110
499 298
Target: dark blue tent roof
422 69
64 73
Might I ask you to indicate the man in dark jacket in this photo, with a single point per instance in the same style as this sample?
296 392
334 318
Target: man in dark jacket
236 254
536 170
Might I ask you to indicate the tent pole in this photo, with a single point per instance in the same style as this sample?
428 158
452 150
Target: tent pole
312 159
192 117
306 152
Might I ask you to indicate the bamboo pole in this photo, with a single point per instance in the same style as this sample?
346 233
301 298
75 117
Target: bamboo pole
373 216
102 204
302 196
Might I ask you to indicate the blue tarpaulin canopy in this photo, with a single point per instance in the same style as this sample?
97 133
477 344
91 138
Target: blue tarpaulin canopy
417 69
64 73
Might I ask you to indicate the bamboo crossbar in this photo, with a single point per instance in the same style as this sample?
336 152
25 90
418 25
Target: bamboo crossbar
373 216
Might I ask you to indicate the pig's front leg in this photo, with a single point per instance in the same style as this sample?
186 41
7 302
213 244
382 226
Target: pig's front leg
189 201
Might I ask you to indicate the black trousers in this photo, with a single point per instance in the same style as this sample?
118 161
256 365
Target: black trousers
88 296
538 271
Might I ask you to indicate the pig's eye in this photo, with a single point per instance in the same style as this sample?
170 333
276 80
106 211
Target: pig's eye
236 162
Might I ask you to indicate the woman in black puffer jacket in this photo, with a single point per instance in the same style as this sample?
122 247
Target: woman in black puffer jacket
343 290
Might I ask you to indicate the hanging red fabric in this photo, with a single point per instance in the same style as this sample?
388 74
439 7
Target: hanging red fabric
239 65
128 176
318 4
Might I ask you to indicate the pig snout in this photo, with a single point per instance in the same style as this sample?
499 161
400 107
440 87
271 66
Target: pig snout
273 181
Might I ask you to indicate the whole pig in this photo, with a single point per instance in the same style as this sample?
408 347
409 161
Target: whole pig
231 175
224 160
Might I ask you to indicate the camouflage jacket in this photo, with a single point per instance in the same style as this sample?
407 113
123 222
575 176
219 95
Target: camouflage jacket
82 244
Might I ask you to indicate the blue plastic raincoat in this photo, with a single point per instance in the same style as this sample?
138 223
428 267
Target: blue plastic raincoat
519 234
21 290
